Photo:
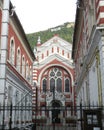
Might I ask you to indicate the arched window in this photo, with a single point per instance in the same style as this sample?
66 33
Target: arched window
62 52
59 85
58 79
12 51
52 84
42 56
18 63
44 85
67 85
23 66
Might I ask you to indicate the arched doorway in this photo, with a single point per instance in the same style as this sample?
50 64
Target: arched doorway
55 112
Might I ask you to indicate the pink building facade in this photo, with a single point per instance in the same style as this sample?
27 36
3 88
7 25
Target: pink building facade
88 54
53 75
16 62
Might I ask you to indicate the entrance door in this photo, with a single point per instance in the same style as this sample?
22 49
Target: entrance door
55 112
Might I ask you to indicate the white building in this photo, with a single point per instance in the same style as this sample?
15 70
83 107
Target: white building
88 55
16 61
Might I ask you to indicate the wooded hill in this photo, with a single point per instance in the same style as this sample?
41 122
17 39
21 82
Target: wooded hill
64 31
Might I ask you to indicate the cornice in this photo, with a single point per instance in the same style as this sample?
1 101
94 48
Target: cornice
93 41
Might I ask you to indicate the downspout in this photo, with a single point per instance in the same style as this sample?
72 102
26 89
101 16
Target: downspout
4 52
99 78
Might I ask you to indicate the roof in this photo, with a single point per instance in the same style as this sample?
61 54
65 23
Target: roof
79 12
15 17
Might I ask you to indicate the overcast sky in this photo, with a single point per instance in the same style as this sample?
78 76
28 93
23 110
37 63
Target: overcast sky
38 15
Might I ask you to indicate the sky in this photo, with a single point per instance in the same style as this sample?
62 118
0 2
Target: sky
39 15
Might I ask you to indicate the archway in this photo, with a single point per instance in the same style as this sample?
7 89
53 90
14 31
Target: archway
55 112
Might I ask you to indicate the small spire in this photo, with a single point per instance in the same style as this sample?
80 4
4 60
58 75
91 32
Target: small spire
38 41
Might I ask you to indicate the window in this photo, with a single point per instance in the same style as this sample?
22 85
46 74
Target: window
52 85
23 65
12 51
68 55
42 56
58 79
52 74
44 85
58 73
67 85
52 49
18 63
92 119
62 52
59 85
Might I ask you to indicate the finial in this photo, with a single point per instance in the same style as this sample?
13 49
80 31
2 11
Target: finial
39 41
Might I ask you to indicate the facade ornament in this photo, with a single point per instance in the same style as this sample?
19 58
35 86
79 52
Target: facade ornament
38 41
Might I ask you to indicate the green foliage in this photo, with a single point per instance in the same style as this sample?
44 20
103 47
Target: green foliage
64 32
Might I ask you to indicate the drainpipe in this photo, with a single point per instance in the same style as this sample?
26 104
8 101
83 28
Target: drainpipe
99 78
4 52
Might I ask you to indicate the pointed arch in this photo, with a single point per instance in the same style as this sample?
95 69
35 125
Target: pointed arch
67 84
44 84
58 79
49 66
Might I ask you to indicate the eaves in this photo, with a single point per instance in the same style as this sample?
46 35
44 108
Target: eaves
77 30
93 41
22 32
